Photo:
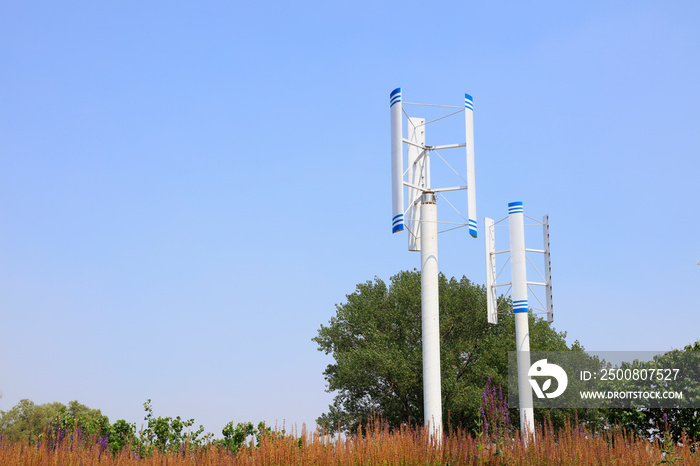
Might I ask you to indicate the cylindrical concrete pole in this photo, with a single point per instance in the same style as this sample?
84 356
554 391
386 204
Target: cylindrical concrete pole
432 385
518 272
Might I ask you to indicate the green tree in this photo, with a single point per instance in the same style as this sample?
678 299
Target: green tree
375 339
674 417
235 437
122 434
26 420
91 421
167 433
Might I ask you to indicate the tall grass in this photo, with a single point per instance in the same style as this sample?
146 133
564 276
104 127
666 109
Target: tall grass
380 446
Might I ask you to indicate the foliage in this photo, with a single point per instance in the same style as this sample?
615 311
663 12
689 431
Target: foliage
496 442
570 444
27 420
91 421
494 424
166 433
494 411
235 437
375 339
52 423
680 417
121 434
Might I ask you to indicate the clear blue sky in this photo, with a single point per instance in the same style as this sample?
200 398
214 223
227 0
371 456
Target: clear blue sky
187 189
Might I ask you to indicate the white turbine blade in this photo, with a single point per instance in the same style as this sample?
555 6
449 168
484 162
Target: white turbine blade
416 164
491 301
471 183
396 161
547 269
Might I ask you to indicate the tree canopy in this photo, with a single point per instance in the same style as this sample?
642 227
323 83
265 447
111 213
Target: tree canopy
375 339
28 420
679 416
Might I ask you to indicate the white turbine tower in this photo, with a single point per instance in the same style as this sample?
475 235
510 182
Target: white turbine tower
421 220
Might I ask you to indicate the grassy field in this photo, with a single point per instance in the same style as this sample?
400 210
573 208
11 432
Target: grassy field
406 446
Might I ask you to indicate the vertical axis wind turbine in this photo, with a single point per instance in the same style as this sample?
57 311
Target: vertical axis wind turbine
519 286
421 221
